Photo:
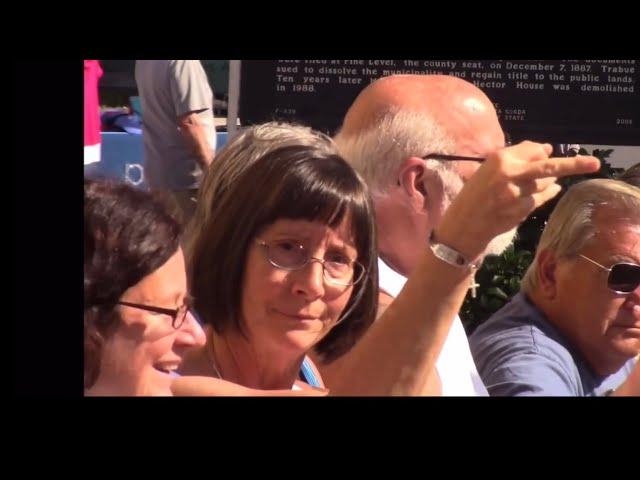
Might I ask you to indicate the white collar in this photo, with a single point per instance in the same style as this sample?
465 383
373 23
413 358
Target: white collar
390 281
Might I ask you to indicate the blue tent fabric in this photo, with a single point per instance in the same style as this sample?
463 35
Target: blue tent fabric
122 156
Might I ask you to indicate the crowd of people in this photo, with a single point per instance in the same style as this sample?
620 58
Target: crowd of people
299 264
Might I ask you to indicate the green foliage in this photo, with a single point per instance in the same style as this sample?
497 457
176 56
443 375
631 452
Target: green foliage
499 280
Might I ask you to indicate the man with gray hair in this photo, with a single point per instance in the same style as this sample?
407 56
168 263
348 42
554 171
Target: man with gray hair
416 139
574 329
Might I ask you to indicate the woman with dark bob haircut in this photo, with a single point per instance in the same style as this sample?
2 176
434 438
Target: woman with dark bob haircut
274 191
283 263
136 320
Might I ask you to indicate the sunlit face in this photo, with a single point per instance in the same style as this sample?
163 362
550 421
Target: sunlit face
138 358
292 310
605 325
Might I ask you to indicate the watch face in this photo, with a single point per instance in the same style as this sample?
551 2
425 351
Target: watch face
448 255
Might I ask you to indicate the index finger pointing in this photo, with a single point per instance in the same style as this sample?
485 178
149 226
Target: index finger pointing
558 167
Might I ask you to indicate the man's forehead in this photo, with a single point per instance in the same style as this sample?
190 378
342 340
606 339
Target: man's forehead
619 232
615 230
612 217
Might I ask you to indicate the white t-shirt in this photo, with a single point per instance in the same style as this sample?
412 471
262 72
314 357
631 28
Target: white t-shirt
455 365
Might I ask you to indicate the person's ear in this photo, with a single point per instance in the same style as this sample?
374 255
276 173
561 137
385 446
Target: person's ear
546 269
411 181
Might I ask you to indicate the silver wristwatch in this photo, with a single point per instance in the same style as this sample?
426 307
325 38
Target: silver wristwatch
451 256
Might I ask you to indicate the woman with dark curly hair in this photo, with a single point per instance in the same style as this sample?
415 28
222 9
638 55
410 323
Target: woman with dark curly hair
137 324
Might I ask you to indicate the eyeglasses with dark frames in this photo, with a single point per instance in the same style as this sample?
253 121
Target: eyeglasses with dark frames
455 158
178 315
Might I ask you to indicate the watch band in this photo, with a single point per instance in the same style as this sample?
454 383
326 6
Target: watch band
450 255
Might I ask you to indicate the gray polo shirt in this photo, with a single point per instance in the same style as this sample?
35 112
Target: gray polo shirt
169 89
518 352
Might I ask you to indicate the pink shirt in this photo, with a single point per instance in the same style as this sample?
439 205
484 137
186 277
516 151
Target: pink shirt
92 73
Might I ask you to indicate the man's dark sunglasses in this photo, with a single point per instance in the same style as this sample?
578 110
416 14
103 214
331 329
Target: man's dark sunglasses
623 277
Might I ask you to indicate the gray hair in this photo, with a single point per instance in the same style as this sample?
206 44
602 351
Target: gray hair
379 151
572 225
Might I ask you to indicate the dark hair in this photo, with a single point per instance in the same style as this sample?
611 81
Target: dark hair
128 234
632 175
297 175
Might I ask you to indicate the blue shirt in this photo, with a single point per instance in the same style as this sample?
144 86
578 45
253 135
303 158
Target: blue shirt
518 352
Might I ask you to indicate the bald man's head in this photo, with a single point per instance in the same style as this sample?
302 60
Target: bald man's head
390 127
461 109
